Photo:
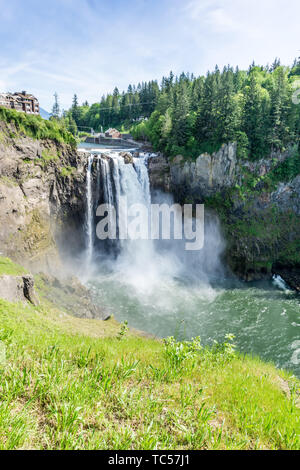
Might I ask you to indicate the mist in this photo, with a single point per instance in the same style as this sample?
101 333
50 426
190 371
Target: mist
153 271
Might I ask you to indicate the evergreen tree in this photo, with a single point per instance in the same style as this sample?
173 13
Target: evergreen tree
189 115
75 109
206 121
181 130
255 119
228 110
280 104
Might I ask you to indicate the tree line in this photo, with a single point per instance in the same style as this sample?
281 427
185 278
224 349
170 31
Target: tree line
187 114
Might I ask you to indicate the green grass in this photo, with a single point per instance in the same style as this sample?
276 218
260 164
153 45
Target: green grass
71 383
46 158
67 171
37 127
10 268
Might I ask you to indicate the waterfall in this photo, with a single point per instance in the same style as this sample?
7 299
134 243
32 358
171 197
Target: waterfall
89 211
106 181
105 176
142 263
98 182
140 165
114 179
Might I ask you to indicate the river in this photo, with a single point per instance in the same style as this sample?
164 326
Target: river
159 288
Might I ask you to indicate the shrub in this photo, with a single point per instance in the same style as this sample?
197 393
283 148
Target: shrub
67 171
288 169
178 352
37 127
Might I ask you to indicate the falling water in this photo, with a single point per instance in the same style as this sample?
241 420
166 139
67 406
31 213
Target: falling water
140 165
108 194
114 179
89 212
160 288
98 182
106 178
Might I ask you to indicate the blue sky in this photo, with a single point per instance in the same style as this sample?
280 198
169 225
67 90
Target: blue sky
89 46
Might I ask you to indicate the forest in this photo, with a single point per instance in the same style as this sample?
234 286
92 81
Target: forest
257 108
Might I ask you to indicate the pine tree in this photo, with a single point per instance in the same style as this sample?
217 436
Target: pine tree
280 104
255 116
207 119
75 109
228 110
181 131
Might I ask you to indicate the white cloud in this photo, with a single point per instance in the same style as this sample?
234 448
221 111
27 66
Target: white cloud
88 47
221 21
195 9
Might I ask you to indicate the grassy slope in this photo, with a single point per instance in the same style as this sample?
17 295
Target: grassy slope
35 127
9 268
70 383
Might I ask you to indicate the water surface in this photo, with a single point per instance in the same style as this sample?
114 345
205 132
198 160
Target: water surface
264 316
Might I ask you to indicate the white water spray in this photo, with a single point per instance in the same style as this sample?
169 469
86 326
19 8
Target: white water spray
145 265
159 287
89 212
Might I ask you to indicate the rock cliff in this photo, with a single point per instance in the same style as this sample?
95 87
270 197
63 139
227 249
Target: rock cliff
42 187
201 178
43 197
18 288
261 224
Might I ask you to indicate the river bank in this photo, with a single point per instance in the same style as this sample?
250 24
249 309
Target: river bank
73 383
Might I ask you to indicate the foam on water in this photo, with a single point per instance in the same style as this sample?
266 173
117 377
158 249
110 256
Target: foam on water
160 288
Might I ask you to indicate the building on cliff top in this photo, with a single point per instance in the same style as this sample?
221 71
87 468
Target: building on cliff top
22 101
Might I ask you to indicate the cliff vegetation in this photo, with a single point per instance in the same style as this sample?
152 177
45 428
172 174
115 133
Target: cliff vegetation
36 127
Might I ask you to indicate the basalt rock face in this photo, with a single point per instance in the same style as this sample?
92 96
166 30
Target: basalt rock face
261 226
70 296
287 196
198 179
206 175
18 289
159 173
263 232
42 193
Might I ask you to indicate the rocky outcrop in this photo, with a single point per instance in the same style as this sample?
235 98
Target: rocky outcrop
29 291
71 296
263 233
18 289
42 187
261 226
199 179
287 196
127 157
207 175
159 172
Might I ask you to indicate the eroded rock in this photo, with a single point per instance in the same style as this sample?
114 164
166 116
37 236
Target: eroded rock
39 207
71 296
127 157
28 289
18 289
206 175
